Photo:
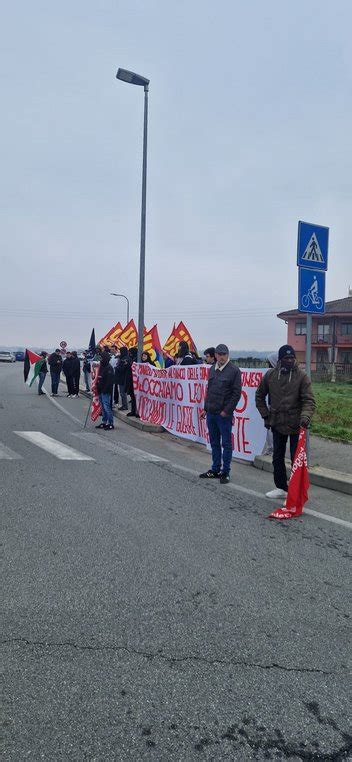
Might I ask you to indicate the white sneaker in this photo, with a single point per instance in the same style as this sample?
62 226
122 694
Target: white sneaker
274 494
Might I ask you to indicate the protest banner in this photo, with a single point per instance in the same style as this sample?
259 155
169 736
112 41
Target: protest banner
174 398
96 407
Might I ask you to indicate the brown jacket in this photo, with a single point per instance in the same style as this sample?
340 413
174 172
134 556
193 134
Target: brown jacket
290 398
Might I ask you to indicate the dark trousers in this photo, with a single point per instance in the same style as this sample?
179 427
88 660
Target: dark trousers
220 429
55 379
279 443
116 394
75 383
133 403
70 386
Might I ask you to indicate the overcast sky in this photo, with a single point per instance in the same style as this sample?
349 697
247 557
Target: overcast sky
250 130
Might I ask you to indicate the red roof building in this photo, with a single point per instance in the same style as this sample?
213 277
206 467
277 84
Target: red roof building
331 333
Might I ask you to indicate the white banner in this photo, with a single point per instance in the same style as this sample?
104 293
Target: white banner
174 398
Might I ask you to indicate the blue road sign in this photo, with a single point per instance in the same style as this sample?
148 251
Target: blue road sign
312 247
311 291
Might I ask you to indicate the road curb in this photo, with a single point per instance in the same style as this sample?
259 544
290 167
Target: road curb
321 477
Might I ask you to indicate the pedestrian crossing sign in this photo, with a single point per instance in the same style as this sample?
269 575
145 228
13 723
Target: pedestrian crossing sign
312 249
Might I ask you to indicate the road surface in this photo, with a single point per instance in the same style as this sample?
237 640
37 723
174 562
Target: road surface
152 616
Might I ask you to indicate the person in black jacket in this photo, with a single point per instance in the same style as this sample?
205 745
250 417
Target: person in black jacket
68 373
120 376
86 371
132 357
76 374
105 385
222 396
55 365
185 355
42 373
147 358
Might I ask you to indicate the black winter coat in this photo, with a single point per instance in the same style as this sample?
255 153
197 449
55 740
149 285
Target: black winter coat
120 372
76 366
67 366
55 363
105 382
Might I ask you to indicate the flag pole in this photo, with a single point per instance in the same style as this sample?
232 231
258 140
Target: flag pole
90 405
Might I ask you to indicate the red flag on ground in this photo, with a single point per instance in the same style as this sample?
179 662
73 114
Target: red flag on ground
298 485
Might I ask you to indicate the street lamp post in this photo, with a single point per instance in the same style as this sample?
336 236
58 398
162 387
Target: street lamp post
136 79
128 305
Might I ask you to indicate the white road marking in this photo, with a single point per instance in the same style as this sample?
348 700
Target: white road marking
325 516
141 455
57 404
59 450
134 453
7 454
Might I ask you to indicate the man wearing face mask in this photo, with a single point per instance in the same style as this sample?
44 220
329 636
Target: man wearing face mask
286 403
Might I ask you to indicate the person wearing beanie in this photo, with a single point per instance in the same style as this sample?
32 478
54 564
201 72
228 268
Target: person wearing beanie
222 396
286 403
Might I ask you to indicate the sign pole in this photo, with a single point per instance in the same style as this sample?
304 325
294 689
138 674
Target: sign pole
308 368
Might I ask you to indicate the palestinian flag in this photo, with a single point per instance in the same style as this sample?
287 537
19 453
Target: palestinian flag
32 366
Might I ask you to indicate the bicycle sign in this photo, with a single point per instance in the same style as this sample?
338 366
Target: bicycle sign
311 290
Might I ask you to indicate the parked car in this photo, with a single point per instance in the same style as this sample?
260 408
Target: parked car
19 356
7 357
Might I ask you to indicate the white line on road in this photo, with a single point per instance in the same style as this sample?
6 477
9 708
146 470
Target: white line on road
59 450
7 454
60 407
141 455
325 516
134 453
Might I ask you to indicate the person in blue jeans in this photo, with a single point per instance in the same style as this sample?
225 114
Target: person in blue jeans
105 385
55 365
222 396
42 374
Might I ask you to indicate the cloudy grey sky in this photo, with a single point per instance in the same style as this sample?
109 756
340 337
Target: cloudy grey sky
250 131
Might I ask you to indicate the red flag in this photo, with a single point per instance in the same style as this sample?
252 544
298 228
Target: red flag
298 485
96 410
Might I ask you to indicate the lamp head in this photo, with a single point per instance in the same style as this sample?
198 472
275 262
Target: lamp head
132 78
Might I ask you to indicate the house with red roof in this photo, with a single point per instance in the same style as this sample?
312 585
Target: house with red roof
331 335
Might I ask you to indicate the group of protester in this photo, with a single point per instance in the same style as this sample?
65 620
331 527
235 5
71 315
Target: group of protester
70 366
284 398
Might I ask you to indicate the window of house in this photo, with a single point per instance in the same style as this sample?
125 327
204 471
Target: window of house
346 329
346 358
300 329
323 329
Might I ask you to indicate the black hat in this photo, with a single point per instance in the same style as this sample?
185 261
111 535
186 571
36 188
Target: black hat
286 351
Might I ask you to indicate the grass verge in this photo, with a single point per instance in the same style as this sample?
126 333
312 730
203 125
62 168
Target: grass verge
333 416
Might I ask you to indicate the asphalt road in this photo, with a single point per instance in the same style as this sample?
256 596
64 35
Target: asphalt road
151 616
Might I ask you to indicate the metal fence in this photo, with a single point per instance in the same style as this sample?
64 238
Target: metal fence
321 371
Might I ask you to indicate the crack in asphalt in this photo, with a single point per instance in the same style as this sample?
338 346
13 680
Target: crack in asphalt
169 659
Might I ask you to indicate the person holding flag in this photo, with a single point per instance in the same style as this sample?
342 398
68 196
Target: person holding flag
285 401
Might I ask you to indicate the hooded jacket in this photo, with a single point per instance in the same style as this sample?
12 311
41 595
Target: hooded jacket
67 366
105 381
291 398
121 367
55 363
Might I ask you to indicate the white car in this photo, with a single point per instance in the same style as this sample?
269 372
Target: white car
7 357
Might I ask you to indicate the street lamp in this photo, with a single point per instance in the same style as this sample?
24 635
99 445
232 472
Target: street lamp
136 79
128 305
